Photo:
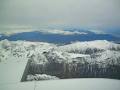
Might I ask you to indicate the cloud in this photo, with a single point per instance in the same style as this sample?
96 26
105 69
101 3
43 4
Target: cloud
97 31
62 32
85 13
13 29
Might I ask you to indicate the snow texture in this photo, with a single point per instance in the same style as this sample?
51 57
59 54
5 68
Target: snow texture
78 59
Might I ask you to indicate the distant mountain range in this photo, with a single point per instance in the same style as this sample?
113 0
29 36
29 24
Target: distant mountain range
52 37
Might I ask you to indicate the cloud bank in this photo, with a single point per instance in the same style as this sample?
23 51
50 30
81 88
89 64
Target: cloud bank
9 30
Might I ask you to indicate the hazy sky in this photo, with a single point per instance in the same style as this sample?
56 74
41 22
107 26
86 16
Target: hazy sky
85 13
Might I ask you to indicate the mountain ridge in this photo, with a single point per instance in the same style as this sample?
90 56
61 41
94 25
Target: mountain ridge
59 38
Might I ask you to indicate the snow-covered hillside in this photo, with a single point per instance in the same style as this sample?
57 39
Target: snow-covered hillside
92 46
98 58
13 50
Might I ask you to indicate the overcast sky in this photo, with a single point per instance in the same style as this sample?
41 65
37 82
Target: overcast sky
85 13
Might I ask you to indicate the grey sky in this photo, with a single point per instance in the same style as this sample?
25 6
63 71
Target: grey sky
85 13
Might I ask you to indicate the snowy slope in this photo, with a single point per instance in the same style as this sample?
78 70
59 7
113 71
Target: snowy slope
68 84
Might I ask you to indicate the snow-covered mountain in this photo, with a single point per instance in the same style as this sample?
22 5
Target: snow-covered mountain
98 58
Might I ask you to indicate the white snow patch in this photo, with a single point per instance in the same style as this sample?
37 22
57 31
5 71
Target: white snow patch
38 77
75 55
